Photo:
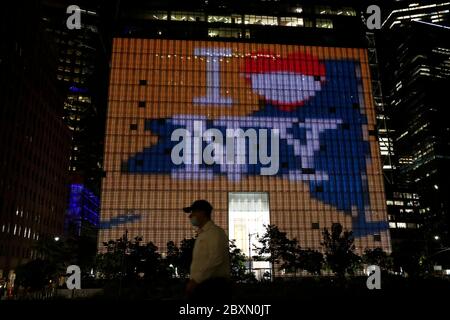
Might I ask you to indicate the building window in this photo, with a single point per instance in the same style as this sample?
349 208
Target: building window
157 15
187 16
377 237
291 22
309 23
141 104
142 82
262 20
401 225
324 23
392 225
346 11
227 33
220 19
133 126
315 226
248 214
324 10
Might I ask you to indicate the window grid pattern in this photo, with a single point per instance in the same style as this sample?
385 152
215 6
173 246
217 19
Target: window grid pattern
139 193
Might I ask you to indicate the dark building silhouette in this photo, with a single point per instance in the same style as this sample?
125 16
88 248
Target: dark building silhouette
415 52
82 69
34 140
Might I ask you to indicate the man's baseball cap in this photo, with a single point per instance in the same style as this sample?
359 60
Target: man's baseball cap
202 205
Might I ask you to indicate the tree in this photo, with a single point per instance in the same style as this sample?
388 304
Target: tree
300 259
311 261
110 263
238 269
131 260
377 257
409 256
53 257
339 250
36 274
172 257
151 263
276 247
60 253
185 258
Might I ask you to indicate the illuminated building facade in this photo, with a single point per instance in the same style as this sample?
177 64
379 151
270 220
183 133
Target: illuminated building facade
316 94
83 210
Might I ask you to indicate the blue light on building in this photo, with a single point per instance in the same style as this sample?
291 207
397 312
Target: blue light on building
83 208
75 89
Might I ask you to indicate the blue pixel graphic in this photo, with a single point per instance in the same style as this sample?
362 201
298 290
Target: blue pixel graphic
321 143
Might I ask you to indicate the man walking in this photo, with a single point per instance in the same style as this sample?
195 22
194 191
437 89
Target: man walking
210 267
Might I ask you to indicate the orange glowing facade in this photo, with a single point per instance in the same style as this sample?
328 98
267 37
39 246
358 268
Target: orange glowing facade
318 98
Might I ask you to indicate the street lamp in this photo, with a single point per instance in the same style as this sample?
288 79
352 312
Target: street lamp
436 237
250 250
56 239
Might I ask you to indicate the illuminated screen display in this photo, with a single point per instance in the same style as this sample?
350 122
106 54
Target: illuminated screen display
318 100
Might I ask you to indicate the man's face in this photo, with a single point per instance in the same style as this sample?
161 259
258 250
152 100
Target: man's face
197 217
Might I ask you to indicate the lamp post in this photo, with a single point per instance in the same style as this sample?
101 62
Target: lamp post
250 251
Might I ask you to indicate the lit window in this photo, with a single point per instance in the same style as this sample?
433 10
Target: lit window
248 213
324 23
401 225
212 33
291 21
324 10
187 16
225 33
157 15
262 20
220 19
346 11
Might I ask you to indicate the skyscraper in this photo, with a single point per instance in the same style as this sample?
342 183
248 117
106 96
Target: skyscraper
415 49
82 69
33 137
256 65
